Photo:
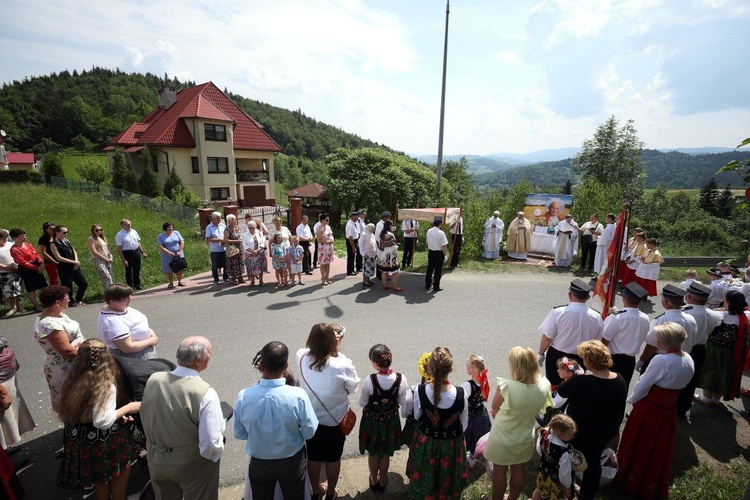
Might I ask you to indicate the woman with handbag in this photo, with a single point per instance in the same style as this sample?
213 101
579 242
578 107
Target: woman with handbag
172 245
329 378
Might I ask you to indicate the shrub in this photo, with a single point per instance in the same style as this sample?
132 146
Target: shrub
52 166
9 176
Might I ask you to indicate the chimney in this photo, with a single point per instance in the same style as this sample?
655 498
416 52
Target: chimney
167 96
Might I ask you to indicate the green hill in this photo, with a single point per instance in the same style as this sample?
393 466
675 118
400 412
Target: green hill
28 206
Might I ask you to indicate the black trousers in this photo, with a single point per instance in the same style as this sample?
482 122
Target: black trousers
550 364
592 450
133 271
435 260
351 257
625 366
685 399
315 256
358 260
588 251
68 276
306 259
288 472
408 257
219 260
458 240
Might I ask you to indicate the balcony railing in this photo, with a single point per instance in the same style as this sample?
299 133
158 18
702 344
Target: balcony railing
252 176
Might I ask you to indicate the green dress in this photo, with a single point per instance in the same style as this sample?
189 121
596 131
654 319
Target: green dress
380 428
511 439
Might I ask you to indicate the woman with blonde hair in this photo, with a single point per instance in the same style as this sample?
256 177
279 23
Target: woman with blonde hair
647 444
101 256
597 404
517 401
98 447
437 456
328 377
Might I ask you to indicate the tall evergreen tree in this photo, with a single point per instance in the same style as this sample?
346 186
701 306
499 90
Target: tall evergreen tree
709 197
131 181
171 183
725 203
119 171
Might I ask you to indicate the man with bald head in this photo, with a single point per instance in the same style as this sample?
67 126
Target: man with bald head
183 456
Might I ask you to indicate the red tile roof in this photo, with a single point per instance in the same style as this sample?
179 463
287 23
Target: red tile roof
20 157
313 190
167 127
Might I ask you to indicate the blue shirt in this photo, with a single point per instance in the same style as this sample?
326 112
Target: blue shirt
274 418
215 232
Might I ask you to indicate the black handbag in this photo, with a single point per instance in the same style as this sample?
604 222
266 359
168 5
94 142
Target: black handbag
178 264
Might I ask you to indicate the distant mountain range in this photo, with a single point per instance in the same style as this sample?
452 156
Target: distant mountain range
497 162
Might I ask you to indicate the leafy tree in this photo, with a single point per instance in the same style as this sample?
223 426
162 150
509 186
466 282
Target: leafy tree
81 143
186 196
709 197
613 158
52 166
515 201
93 170
725 203
131 181
119 171
738 166
456 172
591 197
46 145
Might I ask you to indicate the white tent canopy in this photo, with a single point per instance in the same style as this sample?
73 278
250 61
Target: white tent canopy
449 215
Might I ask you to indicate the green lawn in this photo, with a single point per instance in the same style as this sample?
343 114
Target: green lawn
70 160
28 206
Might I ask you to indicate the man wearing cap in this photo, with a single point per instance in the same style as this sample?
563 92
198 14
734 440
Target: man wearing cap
457 230
718 288
493 236
566 242
352 244
590 231
519 238
706 320
304 235
437 254
671 299
625 331
567 326
410 228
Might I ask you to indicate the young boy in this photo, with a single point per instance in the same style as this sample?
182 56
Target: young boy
690 276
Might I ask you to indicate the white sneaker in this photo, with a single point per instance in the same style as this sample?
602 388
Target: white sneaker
471 461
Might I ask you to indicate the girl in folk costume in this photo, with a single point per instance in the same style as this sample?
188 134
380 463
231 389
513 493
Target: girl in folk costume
554 481
648 269
436 466
478 390
647 444
635 250
407 410
380 430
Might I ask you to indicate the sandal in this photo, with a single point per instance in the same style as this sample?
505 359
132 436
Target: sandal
170 286
385 287
332 496
397 289
180 283
705 402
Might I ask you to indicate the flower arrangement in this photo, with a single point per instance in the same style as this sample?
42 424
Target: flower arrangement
422 366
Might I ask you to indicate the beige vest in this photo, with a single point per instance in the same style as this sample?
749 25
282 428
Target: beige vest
169 412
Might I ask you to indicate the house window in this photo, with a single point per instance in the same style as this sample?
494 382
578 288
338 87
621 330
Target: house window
219 193
217 165
215 132
196 165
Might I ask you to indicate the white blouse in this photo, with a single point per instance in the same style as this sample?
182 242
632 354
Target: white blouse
332 385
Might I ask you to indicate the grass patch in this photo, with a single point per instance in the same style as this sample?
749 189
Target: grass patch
28 206
70 161
727 481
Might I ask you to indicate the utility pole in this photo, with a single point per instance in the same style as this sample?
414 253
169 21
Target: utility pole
442 106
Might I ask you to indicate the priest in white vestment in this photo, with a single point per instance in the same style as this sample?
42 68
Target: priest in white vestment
602 244
566 242
493 235
519 237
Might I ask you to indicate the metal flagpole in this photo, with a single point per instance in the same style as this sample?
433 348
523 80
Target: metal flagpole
442 106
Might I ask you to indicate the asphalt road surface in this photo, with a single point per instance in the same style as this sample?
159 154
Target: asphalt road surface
476 313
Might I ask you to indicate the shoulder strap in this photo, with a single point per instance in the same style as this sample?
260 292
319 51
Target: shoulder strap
311 389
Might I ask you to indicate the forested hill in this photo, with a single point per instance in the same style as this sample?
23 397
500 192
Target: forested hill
99 103
676 170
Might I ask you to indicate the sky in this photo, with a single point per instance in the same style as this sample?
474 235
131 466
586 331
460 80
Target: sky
522 75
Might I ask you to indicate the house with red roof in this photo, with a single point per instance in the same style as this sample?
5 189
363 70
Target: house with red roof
217 149
17 161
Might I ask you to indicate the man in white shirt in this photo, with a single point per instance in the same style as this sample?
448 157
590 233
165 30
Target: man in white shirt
214 237
705 320
351 232
129 249
437 254
590 232
493 236
361 226
718 288
411 232
184 456
671 299
305 236
567 326
624 332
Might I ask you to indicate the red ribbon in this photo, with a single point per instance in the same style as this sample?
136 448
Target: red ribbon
484 384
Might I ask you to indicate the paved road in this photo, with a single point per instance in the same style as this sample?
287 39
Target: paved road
476 313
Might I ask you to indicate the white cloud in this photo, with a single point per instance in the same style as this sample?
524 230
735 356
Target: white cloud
512 58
